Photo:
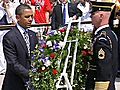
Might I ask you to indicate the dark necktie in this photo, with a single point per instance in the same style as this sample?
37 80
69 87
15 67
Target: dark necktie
64 14
26 37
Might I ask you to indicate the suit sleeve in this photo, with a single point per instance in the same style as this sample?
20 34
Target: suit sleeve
12 59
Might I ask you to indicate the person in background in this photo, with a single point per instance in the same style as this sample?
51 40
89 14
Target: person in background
62 13
42 10
7 9
103 67
53 4
7 16
17 46
85 7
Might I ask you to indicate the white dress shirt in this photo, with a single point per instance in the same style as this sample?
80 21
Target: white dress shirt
86 16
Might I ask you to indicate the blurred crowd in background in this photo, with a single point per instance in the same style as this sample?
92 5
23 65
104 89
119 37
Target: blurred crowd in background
44 11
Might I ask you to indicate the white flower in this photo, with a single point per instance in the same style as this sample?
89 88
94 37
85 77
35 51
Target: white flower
55 32
47 63
49 43
61 44
85 46
36 79
43 68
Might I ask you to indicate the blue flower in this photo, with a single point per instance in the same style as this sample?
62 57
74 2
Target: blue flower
41 50
41 42
34 70
56 46
33 57
45 59
52 33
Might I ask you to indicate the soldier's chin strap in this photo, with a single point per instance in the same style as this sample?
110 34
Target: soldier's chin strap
101 85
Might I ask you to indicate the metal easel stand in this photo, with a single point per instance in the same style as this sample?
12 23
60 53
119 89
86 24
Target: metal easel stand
69 83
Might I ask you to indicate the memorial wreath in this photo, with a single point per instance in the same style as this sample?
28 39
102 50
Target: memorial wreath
46 66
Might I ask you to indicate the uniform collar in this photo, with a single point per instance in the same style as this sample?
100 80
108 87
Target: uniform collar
100 28
65 4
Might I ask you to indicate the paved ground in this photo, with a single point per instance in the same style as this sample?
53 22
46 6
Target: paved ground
117 83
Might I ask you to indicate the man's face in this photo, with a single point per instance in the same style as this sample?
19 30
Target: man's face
82 1
63 1
25 19
6 1
96 18
119 1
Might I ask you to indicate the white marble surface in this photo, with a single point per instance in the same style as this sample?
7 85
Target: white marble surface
117 84
2 58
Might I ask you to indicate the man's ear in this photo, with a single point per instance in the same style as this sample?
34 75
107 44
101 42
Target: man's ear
101 16
17 17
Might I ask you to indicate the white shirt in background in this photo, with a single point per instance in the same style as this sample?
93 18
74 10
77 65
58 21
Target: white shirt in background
11 9
86 16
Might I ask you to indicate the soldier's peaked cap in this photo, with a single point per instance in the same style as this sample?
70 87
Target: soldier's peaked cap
101 6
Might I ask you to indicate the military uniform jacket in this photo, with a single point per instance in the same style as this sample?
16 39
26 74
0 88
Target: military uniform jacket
105 55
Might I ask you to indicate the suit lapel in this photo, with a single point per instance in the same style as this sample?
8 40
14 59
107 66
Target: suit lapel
21 39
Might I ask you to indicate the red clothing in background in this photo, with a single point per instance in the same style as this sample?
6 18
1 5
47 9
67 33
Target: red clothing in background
42 6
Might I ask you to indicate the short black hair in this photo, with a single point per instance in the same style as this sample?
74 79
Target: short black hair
19 10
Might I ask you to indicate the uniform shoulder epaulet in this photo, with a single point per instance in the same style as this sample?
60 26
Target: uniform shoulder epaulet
102 36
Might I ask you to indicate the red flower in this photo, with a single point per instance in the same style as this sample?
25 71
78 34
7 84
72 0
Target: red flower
84 52
54 72
90 52
62 30
44 46
52 55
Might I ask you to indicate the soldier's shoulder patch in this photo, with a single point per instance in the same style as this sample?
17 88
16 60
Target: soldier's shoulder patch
102 36
103 33
101 54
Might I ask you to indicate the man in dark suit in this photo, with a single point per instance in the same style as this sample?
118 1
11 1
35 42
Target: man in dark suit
58 14
17 50
103 68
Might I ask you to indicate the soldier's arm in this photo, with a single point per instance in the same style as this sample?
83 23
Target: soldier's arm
103 56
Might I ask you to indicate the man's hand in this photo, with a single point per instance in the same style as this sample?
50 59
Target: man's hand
74 17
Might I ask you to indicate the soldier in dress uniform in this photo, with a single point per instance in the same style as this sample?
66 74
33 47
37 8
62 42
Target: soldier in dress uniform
103 67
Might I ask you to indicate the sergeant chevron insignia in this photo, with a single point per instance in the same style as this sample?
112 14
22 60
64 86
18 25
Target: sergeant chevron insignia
101 54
